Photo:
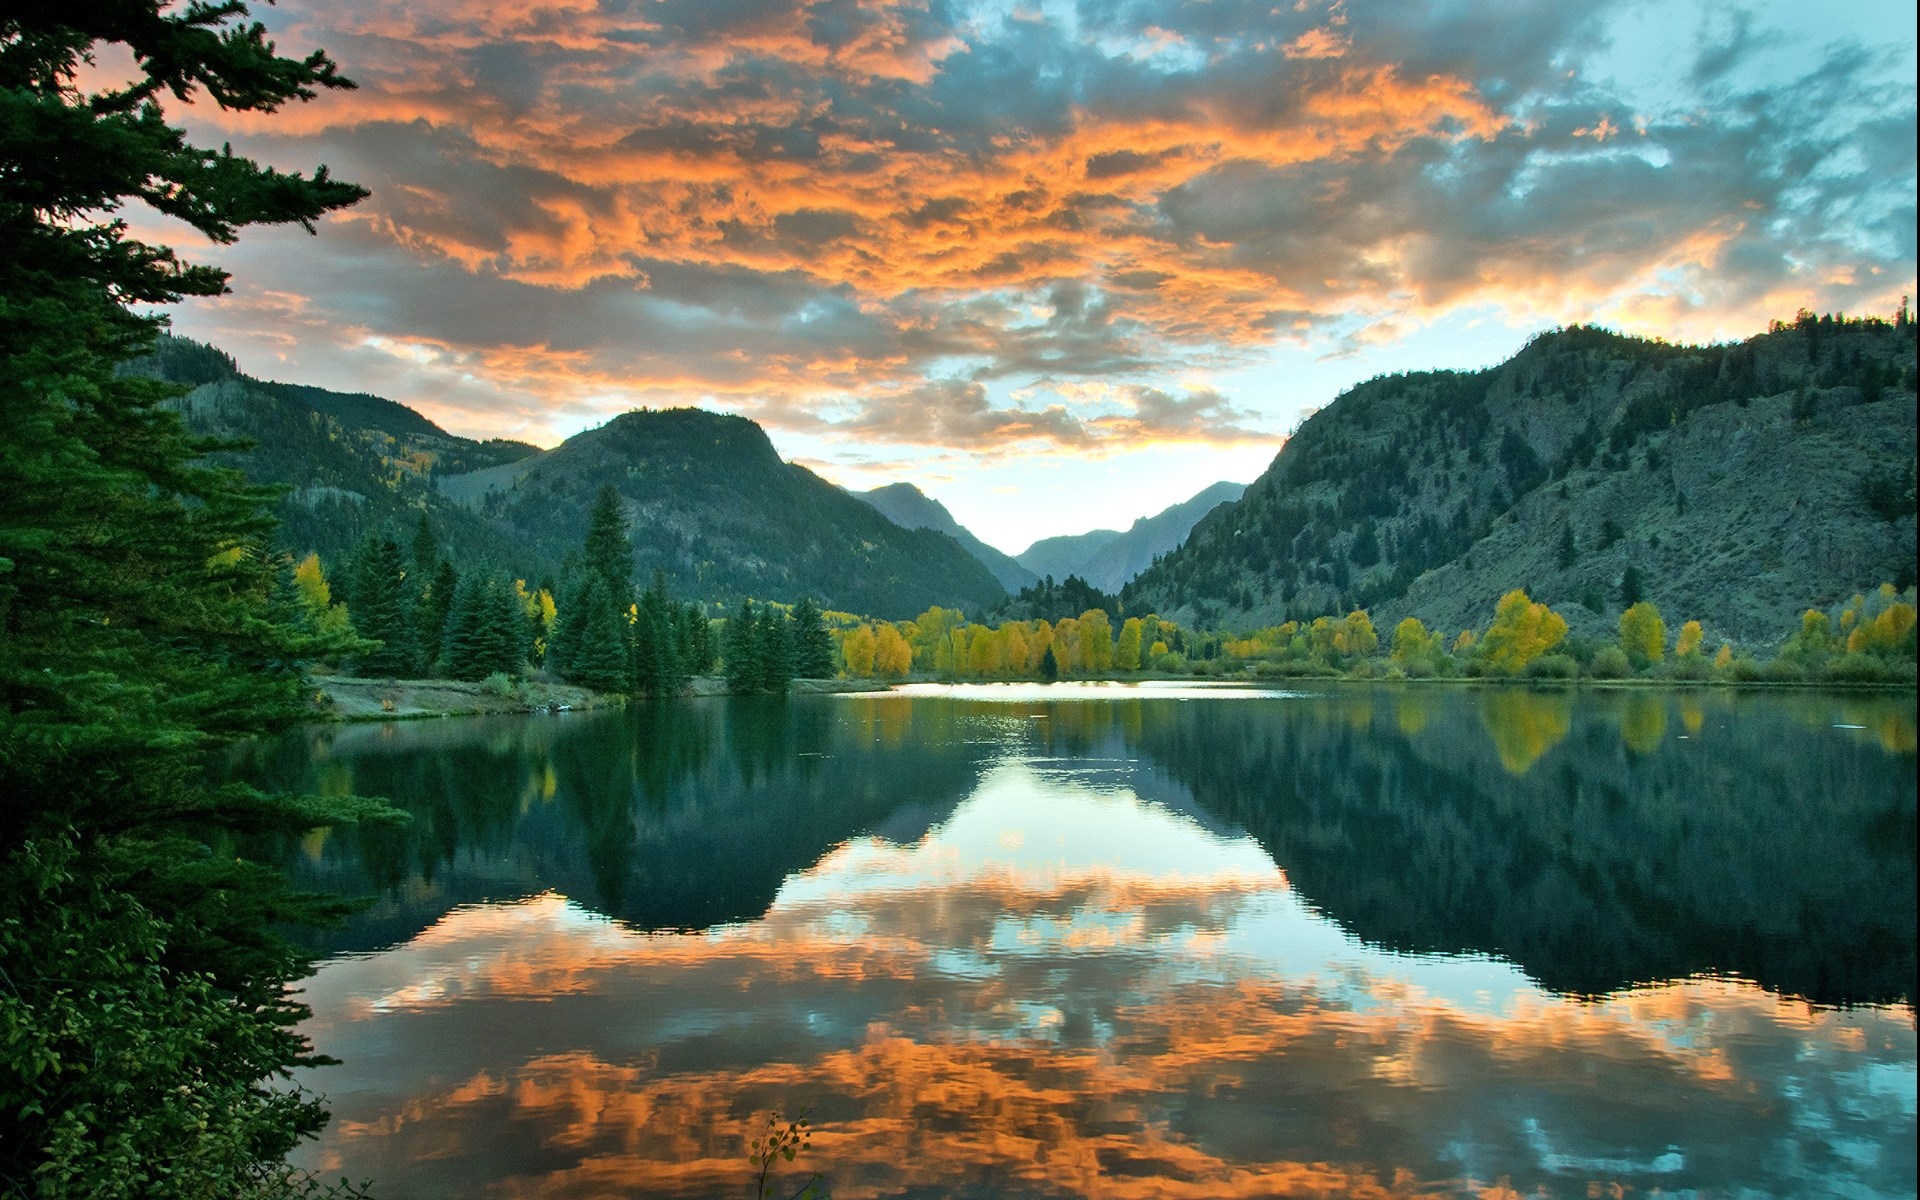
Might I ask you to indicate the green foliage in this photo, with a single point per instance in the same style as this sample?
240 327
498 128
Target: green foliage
1050 666
1609 662
1050 601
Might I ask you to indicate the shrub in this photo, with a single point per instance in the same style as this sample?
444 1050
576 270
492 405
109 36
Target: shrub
1690 666
1553 666
500 684
1609 662
1784 670
1744 669
1857 668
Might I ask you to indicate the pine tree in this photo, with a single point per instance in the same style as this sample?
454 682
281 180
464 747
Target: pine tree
382 610
570 624
1631 589
608 549
436 602
813 656
745 672
657 664
1049 665
463 653
601 660
145 996
774 647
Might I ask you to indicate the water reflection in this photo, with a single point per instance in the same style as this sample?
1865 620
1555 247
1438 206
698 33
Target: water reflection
1153 947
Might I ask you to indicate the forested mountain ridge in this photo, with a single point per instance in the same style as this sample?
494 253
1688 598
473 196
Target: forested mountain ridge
1733 484
714 509
711 504
910 508
353 463
1108 558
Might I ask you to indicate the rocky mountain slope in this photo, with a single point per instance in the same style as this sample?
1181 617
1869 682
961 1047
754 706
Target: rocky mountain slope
352 463
1732 484
714 508
1108 558
910 508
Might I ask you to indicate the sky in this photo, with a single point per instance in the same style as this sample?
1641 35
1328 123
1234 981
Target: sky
1059 264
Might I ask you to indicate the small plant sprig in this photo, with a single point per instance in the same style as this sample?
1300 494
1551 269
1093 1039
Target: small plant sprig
779 1143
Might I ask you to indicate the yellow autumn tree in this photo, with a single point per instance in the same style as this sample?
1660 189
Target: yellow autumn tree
1643 635
892 656
1039 638
1411 640
1014 645
1357 635
316 598
1523 629
1096 642
1126 653
1688 643
857 651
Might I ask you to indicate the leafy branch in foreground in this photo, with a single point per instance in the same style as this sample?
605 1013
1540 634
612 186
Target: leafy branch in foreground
784 1143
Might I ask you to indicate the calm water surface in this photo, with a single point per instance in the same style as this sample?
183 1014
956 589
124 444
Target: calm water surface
1152 942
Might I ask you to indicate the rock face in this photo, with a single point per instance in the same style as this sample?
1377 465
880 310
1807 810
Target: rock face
910 508
1108 558
1735 485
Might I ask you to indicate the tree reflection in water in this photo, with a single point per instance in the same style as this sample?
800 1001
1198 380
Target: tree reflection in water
1379 941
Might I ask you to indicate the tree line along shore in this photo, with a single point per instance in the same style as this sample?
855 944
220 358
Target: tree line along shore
412 615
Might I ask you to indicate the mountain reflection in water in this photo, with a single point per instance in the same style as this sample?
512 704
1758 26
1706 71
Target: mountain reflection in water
1365 942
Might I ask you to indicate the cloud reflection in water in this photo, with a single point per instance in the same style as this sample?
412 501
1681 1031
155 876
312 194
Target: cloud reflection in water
1065 990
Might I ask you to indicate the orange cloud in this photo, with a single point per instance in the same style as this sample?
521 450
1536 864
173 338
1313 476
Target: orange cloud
676 191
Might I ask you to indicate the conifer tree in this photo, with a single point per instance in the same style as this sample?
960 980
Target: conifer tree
1049 665
382 609
743 663
774 648
463 654
570 623
813 656
608 551
436 602
600 660
657 663
145 997
696 639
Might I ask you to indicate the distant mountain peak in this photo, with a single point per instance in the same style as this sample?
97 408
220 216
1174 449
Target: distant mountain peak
1108 558
910 508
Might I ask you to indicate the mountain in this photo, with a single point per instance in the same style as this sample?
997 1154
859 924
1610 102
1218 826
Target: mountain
712 505
351 463
1108 558
910 508
715 509
1741 483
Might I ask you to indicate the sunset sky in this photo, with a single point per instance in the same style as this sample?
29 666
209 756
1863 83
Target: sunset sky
1059 265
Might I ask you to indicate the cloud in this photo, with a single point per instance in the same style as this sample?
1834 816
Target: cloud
776 203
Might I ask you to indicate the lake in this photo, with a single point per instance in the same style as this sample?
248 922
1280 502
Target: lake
1152 941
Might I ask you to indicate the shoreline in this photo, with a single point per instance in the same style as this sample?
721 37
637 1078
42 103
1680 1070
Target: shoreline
348 699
